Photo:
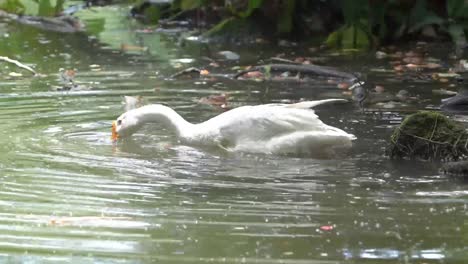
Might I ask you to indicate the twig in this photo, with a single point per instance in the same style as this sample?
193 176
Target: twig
186 71
19 64
303 68
434 129
283 60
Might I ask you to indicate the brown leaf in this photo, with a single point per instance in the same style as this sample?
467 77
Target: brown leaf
343 86
254 74
379 89
399 68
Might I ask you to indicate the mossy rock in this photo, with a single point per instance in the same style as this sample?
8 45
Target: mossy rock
429 135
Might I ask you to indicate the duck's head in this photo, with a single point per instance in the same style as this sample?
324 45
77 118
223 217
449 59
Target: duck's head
125 125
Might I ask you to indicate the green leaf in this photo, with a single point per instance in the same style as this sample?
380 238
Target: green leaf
267 71
355 37
45 8
334 39
350 37
59 6
12 6
190 4
252 5
153 13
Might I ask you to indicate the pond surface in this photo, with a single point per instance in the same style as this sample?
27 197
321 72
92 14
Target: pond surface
68 194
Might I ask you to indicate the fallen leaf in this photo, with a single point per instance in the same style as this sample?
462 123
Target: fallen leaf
445 75
216 100
259 40
412 66
399 68
254 74
343 86
444 92
432 65
379 89
299 60
412 54
413 60
126 47
381 55
397 54
326 228
229 55
15 74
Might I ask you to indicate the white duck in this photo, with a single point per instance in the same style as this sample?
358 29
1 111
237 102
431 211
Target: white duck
268 128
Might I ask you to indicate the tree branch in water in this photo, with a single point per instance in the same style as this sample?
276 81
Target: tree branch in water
19 64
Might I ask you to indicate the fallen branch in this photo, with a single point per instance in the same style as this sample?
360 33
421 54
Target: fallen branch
281 60
19 64
303 69
190 70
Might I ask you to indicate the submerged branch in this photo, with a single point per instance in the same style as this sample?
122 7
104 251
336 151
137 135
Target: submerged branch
302 69
19 64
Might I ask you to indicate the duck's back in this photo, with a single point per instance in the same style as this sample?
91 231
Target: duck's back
271 128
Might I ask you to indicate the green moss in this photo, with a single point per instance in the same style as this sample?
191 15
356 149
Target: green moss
430 136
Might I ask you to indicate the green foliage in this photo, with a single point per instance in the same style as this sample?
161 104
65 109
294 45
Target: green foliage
190 4
252 5
32 7
185 5
457 12
349 37
12 6
233 27
153 14
420 17
45 8
457 9
365 22
356 33
363 18
285 20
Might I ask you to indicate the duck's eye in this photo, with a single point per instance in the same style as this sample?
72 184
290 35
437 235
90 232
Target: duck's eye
119 122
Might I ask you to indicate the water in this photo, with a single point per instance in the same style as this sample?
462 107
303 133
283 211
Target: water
68 193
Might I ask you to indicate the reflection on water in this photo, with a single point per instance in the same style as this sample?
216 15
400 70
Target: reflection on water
69 194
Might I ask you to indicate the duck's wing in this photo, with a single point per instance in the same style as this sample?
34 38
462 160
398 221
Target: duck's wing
263 122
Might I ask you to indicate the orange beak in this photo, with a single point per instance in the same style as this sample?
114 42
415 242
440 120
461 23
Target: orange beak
114 135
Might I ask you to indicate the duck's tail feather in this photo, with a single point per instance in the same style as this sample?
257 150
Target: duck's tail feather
311 104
